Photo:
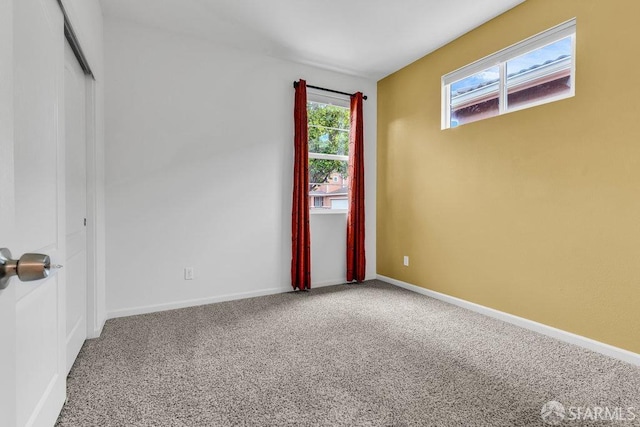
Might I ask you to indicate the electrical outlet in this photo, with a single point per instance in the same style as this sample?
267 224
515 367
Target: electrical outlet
406 261
188 273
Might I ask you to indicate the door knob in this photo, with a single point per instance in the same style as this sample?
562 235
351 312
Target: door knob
28 268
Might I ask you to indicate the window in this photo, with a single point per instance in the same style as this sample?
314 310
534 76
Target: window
328 120
535 71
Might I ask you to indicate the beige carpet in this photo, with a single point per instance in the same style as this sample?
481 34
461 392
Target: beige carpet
350 355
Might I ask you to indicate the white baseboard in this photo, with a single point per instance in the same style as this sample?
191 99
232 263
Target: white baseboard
340 281
328 283
124 312
559 334
96 331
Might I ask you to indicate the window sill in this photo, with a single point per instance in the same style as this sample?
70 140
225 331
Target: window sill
327 211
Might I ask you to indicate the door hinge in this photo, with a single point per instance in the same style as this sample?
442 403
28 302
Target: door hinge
85 222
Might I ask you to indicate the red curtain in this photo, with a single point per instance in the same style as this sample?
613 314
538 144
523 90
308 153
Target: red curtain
356 262
300 235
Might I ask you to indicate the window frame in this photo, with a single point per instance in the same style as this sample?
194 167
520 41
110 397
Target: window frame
339 101
500 59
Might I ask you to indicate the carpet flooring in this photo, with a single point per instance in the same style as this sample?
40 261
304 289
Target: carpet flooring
350 355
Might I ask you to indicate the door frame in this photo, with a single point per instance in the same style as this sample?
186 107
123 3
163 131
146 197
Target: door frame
95 319
95 322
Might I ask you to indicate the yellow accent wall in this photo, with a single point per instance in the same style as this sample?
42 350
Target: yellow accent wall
537 212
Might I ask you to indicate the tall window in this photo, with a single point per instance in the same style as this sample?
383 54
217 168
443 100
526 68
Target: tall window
535 71
328 153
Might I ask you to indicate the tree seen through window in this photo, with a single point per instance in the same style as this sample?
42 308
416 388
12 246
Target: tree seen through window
328 153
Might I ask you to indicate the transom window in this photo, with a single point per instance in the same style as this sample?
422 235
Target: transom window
328 121
536 71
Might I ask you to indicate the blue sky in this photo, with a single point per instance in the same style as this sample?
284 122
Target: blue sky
538 56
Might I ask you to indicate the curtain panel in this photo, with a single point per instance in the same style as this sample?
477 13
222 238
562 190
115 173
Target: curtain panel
356 261
300 234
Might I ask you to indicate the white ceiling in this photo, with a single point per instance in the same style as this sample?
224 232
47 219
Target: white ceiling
370 38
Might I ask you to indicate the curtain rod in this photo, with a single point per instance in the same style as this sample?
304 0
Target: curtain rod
295 84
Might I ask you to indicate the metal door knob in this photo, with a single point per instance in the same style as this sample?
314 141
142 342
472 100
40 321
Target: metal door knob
28 268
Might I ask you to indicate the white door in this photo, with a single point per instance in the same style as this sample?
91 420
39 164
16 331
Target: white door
33 202
7 221
76 204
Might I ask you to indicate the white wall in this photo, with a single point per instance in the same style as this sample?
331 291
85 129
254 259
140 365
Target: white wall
199 164
87 21
329 247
